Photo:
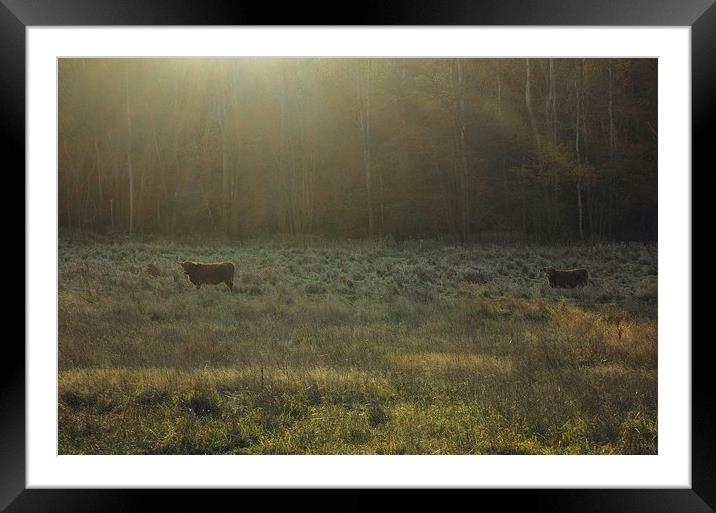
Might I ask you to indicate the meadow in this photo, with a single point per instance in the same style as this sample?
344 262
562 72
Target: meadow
356 347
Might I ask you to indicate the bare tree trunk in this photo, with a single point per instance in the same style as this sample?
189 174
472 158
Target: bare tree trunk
100 199
577 125
583 86
552 123
448 203
456 179
579 206
523 191
129 156
611 116
305 193
465 179
163 193
209 211
69 187
381 200
612 146
286 179
499 91
140 197
548 102
364 111
222 103
553 101
205 197
505 185
585 140
590 210
174 213
224 180
315 220
368 165
176 140
530 111
301 159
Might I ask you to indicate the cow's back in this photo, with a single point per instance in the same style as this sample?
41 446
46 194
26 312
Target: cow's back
215 273
568 277
573 277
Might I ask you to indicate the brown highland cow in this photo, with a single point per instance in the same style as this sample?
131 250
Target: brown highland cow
566 277
211 274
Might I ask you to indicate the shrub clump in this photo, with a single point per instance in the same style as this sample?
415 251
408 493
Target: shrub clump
202 401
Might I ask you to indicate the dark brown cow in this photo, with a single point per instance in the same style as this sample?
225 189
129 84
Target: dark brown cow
211 274
566 277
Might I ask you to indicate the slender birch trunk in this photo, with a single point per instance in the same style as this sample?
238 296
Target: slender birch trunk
528 103
100 195
577 125
499 91
611 116
463 154
161 194
555 116
129 156
612 145
364 112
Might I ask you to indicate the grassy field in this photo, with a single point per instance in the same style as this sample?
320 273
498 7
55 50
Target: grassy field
356 348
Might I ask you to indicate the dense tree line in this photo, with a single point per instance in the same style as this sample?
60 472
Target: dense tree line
463 149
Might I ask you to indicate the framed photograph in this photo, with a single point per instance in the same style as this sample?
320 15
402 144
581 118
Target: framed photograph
429 247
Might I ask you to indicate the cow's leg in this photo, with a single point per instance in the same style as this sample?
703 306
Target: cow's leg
230 284
198 286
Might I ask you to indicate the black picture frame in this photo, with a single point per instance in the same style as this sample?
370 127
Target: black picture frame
16 15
